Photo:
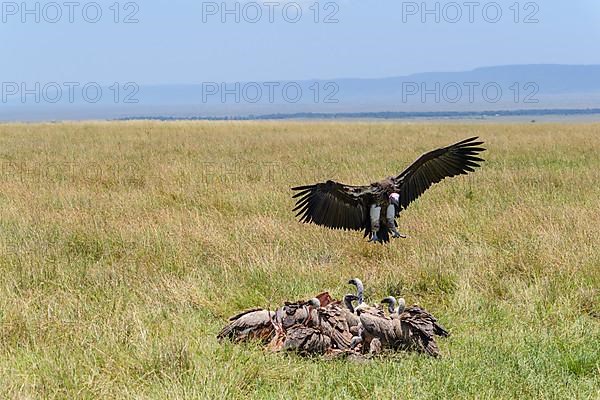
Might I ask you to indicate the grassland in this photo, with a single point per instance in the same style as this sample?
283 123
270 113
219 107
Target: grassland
125 246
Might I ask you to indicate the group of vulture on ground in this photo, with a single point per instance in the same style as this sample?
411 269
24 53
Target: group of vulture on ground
324 326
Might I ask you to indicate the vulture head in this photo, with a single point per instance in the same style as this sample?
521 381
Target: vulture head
360 289
356 340
401 305
395 200
314 303
392 302
348 299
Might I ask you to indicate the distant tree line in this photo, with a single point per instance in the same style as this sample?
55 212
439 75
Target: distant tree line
377 115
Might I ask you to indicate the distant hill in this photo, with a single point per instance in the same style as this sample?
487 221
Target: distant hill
501 88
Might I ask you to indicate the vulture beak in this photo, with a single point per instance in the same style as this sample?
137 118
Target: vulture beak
395 199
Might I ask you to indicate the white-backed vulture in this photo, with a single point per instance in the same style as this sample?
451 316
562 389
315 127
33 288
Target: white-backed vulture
414 312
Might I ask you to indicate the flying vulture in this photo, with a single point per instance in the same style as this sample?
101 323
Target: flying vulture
375 207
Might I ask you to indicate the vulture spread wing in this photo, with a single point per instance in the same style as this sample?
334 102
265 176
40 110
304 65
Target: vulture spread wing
432 167
334 205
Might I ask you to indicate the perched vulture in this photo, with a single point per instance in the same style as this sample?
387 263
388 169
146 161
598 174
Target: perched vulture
374 329
410 329
374 208
414 312
361 338
351 317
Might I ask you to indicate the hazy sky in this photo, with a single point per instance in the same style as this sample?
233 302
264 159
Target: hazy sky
179 41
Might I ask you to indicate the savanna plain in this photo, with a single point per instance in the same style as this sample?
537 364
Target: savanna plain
125 246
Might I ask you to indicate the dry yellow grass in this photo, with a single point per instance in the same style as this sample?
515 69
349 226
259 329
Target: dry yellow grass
125 246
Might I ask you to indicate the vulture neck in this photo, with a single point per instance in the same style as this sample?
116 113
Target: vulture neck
348 304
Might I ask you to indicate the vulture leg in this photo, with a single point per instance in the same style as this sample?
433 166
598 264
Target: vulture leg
375 213
391 222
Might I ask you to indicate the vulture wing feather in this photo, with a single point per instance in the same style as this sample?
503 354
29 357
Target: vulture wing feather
333 205
432 167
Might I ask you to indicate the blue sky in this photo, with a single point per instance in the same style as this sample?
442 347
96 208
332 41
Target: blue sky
372 38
